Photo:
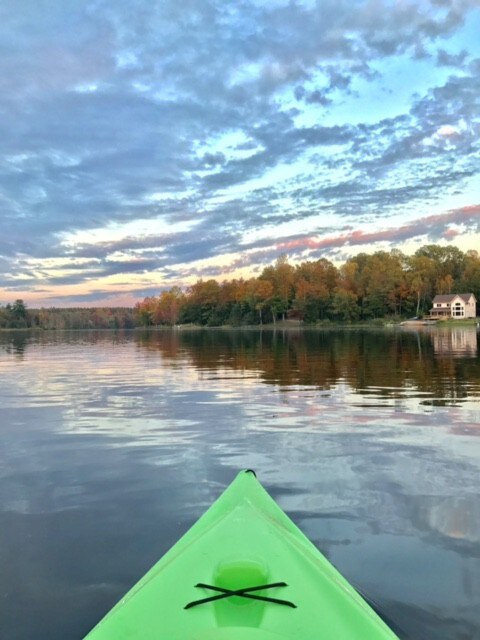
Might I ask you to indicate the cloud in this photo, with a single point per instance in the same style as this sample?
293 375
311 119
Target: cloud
234 119
444 58
432 228
447 130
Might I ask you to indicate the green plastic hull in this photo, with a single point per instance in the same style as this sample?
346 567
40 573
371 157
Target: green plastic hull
243 541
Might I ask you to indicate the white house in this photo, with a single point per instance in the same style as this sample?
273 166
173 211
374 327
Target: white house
455 305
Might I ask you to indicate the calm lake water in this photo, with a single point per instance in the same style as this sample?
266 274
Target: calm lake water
112 445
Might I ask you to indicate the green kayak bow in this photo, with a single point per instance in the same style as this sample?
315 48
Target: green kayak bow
244 571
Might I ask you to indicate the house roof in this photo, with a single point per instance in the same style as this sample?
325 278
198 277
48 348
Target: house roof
451 296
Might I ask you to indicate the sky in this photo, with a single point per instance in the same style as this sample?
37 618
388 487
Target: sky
145 145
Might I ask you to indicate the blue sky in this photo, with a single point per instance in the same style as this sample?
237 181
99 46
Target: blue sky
148 144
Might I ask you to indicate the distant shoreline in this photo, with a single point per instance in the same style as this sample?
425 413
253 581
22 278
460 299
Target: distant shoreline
287 325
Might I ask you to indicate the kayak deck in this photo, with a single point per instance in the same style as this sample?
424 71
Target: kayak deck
243 571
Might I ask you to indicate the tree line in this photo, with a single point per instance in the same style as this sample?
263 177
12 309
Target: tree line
367 286
17 316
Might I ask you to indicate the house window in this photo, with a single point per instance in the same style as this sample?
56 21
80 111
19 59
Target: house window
439 304
458 310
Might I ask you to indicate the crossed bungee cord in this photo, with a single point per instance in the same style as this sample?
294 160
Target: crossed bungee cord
245 592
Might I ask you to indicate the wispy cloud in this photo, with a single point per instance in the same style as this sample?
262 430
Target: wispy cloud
431 229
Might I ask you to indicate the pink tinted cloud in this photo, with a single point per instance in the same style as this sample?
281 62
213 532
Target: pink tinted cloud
436 225
450 234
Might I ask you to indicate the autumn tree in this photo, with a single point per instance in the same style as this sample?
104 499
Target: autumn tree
448 265
421 276
385 284
258 294
281 276
314 284
233 302
444 284
448 260
470 279
345 305
202 303
144 312
167 306
352 278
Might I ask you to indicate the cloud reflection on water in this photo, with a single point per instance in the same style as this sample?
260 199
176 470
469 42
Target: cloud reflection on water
129 438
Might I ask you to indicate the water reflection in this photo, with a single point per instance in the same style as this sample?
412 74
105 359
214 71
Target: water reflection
382 364
15 342
113 444
456 343
455 517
